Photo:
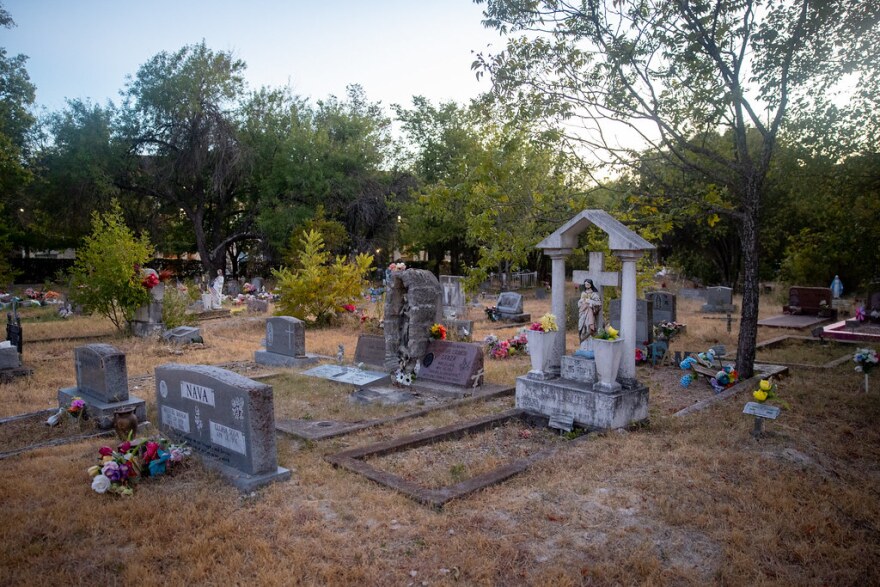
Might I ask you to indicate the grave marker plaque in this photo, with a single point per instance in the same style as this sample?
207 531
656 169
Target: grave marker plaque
225 417
453 363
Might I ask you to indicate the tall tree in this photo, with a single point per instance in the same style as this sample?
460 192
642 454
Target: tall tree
180 119
671 73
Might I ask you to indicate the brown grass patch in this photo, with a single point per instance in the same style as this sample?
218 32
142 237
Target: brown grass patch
691 500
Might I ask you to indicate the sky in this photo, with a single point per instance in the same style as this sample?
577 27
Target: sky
395 49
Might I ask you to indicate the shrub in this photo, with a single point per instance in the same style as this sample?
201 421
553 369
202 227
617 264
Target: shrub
174 308
105 278
317 290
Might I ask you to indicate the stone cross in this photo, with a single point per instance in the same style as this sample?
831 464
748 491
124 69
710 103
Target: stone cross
600 278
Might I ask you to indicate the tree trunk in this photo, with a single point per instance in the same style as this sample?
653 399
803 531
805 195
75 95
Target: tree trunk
748 325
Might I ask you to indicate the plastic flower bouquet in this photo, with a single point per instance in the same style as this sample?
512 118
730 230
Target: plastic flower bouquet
865 360
438 332
121 468
607 333
547 323
667 330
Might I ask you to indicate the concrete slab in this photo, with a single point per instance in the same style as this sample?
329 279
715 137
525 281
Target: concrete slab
792 321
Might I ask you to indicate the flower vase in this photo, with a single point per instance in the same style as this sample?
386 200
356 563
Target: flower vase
608 354
125 422
540 352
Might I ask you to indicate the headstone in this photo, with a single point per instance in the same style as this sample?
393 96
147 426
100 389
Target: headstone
257 282
644 330
580 369
808 301
227 418
13 332
183 335
540 293
285 343
719 299
872 307
692 293
453 363
102 382
663 306
148 320
233 287
9 357
454 303
342 374
257 306
370 350
412 306
510 306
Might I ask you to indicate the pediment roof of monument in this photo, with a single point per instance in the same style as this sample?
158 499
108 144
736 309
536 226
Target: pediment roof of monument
620 238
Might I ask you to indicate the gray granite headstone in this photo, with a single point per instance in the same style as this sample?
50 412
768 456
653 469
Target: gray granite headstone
223 416
101 372
286 335
718 299
257 306
692 293
257 282
102 382
9 358
454 303
370 350
453 363
233 287
644 331
510 302
285 343
663 306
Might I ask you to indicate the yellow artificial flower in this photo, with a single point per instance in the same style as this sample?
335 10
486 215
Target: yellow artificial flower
759 395
94 470
765 385
611 330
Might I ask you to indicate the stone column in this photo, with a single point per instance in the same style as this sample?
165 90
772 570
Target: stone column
557 298
628 312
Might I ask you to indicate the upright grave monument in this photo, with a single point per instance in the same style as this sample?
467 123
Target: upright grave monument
644 321
573 393
510 307
663 306
285 344
719 300
102 382
227 418
454 303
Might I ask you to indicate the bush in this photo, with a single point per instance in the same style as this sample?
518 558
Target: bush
174 308
317 290
105 276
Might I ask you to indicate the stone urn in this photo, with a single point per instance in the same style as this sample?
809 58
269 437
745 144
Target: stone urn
608 354
125 423
540 352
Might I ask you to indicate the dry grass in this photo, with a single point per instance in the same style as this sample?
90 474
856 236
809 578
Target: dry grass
690 500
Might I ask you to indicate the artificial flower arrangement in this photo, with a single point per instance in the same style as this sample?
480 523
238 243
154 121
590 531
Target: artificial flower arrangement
249 288
349 307
150 281
667 330
438 332
493 314
120 469
401 377
77 407
397 267
502 349
865 360
724 378
607 333
766 390
547 323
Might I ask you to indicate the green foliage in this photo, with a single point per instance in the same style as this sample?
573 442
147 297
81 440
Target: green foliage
174 306
104 278
332 231
316 290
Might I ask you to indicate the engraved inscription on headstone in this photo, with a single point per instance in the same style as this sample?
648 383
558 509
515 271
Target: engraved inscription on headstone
370 350
285 335
452 363
663 309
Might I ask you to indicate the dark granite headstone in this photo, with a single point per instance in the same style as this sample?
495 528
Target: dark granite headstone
453 363
13 332
223 416
808 301
663 306
233 287
9 358
644 331
719 299
370 350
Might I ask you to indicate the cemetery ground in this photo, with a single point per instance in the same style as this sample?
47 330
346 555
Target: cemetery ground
681 500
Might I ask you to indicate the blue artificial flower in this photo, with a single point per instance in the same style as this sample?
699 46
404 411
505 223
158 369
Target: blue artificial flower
157 465
686 380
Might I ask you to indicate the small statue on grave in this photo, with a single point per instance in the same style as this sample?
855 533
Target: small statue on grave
340 353
217 291
589 307
836 288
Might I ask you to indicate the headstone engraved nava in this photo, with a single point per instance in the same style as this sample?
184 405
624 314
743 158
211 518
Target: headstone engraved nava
663 306
223 416
644 329
285 343
510 307
718 300
102 382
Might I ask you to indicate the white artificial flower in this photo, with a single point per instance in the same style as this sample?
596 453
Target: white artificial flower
101 483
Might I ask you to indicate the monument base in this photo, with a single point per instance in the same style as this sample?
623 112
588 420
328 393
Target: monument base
719 309
146 329
242 481
99 410
515 318
279 360
588 407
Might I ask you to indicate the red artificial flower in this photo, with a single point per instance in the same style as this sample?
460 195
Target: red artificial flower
349 308
105 451
150 454
124 447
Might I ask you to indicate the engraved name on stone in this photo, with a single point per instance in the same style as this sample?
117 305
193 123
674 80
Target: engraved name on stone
176 419
197 393
228 438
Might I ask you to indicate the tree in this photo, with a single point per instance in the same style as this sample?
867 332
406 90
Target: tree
180 121
106 276
670 74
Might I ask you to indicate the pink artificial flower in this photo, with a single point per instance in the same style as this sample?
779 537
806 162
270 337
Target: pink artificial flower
105 451
124 447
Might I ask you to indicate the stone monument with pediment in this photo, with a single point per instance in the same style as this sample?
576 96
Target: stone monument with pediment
571 391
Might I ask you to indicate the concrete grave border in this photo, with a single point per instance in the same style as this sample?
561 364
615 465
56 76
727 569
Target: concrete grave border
354 459
829 365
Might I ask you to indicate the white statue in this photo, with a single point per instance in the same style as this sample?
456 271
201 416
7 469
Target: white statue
217 291
589 307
